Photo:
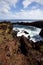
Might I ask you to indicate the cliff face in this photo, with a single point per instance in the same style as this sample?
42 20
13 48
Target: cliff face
19 50
37 24
41 33
10 53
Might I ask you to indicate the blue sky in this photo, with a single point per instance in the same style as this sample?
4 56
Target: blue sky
21 9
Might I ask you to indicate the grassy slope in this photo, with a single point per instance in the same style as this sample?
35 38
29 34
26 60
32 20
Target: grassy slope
12 49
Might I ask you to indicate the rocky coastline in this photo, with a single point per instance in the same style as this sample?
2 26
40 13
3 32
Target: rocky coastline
38 24
18 50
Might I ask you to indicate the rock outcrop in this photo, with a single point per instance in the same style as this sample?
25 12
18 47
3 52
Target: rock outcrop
19 50
41 33
34 51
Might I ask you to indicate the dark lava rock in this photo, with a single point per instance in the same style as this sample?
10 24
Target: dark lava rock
41 33
26 32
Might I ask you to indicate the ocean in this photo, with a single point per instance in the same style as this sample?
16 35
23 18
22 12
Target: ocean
32 31
19 20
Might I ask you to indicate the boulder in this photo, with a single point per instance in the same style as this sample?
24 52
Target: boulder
26 32
41 33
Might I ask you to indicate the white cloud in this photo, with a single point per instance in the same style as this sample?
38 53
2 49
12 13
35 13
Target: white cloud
5 8
28 2
12 2
5 12
5 5
30 14
33 14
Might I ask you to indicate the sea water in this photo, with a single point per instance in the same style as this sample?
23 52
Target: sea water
32 31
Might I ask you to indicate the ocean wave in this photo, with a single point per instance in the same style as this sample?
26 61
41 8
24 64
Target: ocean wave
33 32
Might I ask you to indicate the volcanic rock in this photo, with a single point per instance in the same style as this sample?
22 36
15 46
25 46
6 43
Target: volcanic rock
41 33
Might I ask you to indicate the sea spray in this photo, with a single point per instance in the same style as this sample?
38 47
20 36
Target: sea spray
33 32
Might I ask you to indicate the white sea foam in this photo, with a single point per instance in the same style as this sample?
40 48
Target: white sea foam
20 33
34 34
36 38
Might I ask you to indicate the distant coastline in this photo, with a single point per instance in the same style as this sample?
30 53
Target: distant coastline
37 23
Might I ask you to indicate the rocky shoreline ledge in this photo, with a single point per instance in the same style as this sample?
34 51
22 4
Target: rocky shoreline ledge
18 50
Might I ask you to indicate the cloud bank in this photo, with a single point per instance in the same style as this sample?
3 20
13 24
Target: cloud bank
6 7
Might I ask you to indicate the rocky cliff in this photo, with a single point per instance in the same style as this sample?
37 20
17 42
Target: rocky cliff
18 50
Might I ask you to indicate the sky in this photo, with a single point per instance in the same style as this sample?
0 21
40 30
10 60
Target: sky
21 9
